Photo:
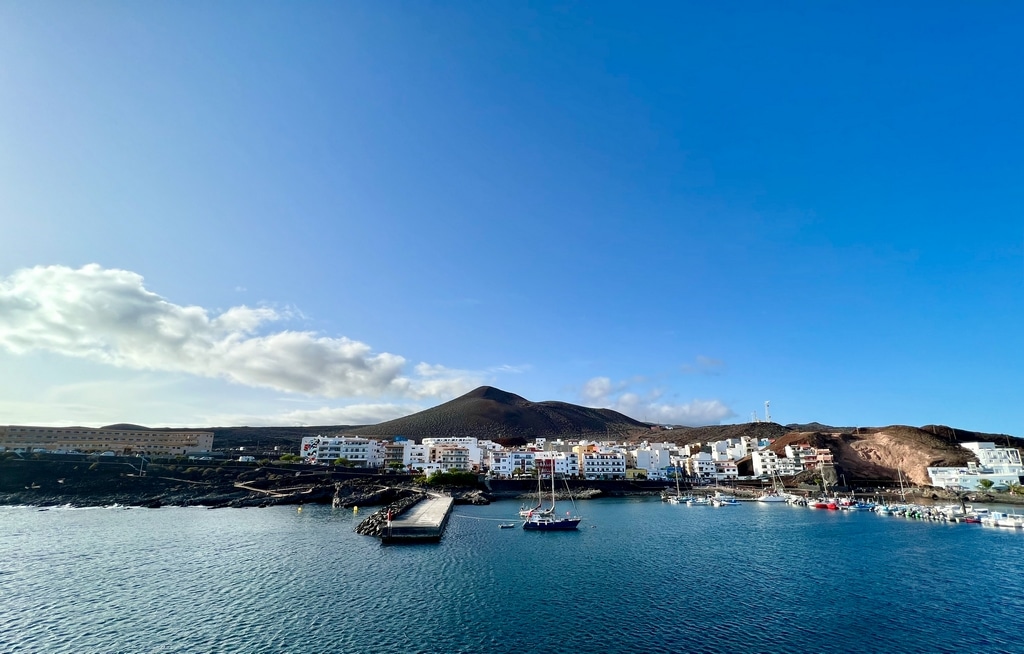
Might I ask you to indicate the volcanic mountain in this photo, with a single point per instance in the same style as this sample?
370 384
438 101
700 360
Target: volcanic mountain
495 414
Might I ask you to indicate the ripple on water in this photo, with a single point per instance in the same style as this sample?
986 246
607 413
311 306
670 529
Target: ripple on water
639 576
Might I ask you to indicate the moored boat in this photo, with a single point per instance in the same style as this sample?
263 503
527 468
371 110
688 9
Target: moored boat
548 521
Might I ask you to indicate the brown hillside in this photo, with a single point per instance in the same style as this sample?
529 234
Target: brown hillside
492 413
881 452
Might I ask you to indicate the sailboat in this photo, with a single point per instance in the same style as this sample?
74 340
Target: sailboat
678 497
778 492
527 511
548 521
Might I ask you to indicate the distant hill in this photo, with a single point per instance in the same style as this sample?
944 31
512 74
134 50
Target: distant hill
687 435
492 413
263 440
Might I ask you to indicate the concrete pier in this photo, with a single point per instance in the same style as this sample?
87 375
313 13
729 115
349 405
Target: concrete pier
423 522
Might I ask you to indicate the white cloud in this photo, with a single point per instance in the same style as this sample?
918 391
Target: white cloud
108 316
704 365
602 392
511 369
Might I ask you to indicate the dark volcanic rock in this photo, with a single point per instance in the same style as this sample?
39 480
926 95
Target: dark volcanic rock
378 522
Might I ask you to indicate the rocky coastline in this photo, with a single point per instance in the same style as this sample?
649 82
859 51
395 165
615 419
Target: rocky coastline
90 482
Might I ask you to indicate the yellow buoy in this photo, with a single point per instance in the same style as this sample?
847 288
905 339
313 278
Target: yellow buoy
355 509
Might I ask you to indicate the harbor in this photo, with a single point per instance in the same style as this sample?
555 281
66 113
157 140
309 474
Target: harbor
425 521
634 560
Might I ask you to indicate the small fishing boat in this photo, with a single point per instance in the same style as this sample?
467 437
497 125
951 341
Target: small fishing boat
507 525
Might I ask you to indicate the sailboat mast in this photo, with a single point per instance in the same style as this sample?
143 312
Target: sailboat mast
552 487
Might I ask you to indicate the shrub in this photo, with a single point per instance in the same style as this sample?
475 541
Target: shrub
452 478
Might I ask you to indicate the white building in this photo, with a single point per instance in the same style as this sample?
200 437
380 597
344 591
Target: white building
701 464
654 459
453 457
997 459
805 458
499 464
603 464
765 462
470 443
788 467
1000 465
565 464
360 452
511 463
725 469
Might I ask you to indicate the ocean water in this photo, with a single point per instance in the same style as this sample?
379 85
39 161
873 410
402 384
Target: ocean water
638 576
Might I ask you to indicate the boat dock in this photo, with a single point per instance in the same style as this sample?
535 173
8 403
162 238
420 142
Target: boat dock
424 522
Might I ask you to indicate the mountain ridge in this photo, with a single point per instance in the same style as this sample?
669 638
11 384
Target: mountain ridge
488 412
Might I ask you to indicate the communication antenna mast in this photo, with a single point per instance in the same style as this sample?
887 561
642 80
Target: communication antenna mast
767 416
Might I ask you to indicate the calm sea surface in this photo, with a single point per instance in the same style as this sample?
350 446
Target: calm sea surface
639 576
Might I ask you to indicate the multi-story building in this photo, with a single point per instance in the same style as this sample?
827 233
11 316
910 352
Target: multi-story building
499 464
452 457
470 443
765 462
360 452
653 459
805 458
602 464
124 440
788 467
511 463
725 469
999 465
996 459
394 454
564 464
701 464
824 456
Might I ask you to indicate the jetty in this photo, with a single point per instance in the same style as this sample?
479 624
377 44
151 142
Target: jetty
423 522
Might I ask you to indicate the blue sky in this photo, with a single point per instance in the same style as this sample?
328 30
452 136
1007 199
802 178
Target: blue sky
273 213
